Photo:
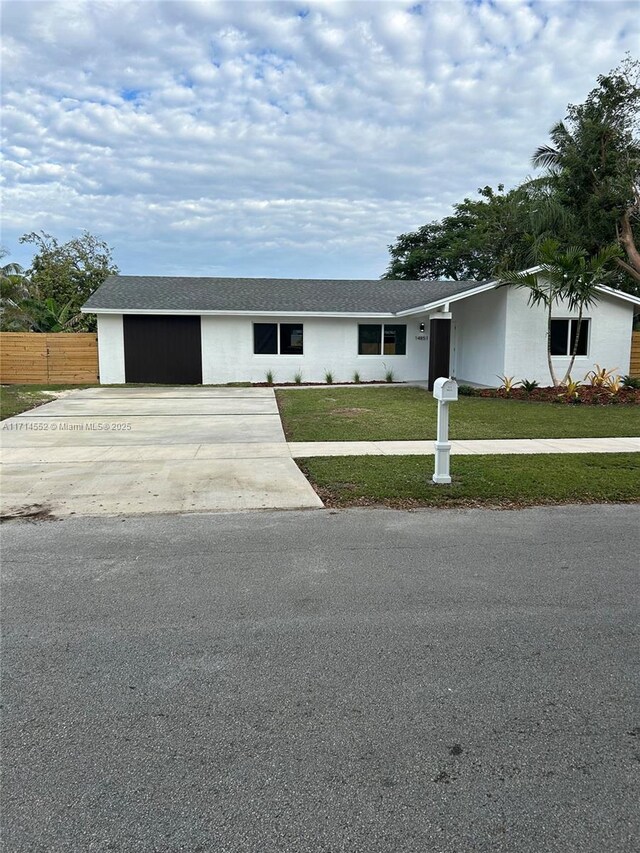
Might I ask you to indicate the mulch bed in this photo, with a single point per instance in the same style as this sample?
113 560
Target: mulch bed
587 395
320 384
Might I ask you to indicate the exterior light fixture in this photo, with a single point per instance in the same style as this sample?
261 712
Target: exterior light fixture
421 327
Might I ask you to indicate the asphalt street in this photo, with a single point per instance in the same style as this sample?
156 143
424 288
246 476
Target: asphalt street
361 680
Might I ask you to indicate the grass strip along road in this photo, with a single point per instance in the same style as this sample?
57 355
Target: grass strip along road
503 481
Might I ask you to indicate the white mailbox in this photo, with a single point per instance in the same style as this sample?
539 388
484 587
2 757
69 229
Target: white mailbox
445 389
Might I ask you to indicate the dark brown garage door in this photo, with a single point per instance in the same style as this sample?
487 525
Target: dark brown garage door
162 349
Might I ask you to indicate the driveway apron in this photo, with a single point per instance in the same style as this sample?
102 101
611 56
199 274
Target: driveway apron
110 451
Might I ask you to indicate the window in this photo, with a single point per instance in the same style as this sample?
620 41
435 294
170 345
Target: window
290 339
395 340
369 338
266 338
563 337
387 339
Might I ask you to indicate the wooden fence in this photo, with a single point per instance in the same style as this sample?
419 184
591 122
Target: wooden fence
48 359
634 368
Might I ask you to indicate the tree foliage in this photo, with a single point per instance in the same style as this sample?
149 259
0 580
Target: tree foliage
480 237
13 290
67 273
592 166
588 195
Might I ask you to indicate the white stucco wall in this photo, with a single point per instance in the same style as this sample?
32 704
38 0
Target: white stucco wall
110 349
493 333
330 344
478 338
609 342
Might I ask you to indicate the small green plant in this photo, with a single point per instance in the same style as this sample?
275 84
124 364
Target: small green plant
466 390
613 384
570 389
328 377
529 385
298 378
388 377
507 384
269 376
599 376
356 378
630 381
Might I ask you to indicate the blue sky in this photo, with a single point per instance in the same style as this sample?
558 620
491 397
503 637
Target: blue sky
280 139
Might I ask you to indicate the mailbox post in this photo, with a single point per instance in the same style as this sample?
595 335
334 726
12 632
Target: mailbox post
445 391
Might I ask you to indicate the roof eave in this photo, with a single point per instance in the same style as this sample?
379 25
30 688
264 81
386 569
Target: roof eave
252 313
445 300
621 294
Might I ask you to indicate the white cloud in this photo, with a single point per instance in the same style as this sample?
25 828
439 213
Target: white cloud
277 137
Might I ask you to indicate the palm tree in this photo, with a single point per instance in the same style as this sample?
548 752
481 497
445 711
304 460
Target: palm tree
581 291
569 275
49 316
550 156
593 164
13 291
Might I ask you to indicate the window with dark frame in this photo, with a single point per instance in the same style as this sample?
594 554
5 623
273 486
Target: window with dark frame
395 339
382 339
291 342
563 337
369 339
266 338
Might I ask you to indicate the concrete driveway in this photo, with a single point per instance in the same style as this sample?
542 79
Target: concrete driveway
106 451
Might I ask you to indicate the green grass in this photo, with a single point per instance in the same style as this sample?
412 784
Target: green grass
405 414
20 398
507 481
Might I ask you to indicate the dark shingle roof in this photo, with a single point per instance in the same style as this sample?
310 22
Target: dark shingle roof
284 295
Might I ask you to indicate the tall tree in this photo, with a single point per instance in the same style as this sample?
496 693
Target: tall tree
592 167
588 196
68 272
481 237
13 290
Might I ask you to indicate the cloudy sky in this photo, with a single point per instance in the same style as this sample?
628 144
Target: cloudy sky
280 138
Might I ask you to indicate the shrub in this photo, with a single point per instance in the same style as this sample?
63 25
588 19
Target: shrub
529 385
613 384
630 381
467 390
388 377
507 384
599 376
269 376
356 378
328 377
571 389
298 378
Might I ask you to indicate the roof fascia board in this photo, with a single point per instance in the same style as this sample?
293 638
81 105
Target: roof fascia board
611 291
166 311
439 303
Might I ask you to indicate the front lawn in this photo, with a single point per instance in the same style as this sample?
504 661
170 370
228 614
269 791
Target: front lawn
505 481
15 399
406 414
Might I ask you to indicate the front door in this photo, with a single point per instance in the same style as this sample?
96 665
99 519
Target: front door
439 349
